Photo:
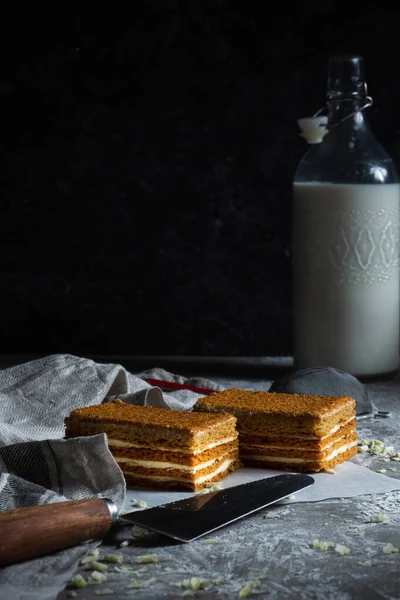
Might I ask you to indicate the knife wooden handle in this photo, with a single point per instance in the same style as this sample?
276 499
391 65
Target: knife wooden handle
30 532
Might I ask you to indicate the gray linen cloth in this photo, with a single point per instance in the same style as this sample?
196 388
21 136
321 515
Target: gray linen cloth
38 466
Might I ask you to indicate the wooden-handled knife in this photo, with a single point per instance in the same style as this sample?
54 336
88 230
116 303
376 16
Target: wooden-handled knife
26 533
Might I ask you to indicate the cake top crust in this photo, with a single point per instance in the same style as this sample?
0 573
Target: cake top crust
274 403
118 412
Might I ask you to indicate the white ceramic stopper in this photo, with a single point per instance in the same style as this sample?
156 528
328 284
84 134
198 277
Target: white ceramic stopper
313 129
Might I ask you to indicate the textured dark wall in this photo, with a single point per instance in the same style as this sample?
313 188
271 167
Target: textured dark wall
148 165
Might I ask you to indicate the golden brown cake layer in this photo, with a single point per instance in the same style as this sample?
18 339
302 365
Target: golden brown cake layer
308 442
263 412
181 484
151 426
320 453
174 471
305 467
174 457
119 412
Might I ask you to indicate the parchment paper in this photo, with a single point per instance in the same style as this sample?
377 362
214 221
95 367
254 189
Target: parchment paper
348 481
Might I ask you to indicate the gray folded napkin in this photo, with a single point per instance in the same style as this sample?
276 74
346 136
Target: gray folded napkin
327 381
38 466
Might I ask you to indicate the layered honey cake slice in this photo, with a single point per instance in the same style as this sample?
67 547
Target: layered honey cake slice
163 448
289 431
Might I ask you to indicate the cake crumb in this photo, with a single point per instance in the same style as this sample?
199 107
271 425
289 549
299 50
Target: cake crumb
146 558
113 558
215 486
210 487
104 592
379 518
323 546
330 471
378 448
77 581
139 503
382 471
92 555
196 583
211 541
97 577
390 549
247 589
124 544
342 550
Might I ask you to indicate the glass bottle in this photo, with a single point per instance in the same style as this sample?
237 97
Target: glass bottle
345 243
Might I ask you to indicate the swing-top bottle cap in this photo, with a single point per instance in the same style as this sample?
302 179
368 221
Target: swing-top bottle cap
313 129
346 76
345 82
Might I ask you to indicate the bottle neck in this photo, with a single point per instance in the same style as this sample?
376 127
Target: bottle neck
346 108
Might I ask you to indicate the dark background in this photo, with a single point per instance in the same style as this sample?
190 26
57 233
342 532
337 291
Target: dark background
147 168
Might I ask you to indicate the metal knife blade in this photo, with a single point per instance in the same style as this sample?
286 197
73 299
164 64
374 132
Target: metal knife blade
190 519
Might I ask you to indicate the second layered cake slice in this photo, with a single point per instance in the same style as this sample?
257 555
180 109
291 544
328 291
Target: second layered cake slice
289 431
162 448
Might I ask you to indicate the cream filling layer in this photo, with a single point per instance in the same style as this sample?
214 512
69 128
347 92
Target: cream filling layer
310 437
222 467
114 443
337 427
288 459
207 430
153 464
305 449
